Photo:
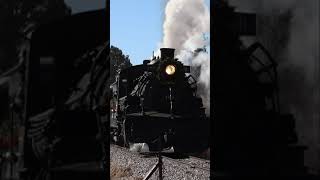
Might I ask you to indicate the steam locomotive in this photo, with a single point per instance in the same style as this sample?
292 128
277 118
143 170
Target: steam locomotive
63 118
157 102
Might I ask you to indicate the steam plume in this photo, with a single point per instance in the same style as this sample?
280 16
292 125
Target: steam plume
185 26
298 62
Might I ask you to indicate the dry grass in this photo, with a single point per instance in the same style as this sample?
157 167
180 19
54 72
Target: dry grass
122 173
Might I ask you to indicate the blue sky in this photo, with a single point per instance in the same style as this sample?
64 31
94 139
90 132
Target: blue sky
136 27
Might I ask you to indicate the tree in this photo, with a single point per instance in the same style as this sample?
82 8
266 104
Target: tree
117 60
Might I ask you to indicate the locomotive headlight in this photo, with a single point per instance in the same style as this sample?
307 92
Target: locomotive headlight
170 69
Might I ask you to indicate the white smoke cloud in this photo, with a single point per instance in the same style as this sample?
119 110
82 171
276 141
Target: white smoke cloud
298 63
185 25
303 31
184 19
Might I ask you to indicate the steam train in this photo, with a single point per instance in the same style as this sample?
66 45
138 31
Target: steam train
157 103
66 65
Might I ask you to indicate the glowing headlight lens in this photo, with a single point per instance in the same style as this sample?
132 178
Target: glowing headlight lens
170 69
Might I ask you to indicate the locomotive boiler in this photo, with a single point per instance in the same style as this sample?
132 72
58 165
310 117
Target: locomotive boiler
159 99
64 132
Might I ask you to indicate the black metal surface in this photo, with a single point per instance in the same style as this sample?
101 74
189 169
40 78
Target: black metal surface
60 133
151 102
167 53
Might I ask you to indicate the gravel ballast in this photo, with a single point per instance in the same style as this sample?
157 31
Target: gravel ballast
128 165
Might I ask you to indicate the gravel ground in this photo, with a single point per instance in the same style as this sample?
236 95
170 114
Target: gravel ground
128 165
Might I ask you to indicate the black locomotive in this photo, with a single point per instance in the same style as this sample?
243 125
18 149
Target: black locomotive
66 65
159 99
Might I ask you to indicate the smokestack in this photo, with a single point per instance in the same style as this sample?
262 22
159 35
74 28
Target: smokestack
167 53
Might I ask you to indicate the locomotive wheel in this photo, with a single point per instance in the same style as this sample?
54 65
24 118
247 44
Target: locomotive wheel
191 142
187 148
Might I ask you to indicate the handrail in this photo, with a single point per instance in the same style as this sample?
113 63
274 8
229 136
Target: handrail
273 65
13 69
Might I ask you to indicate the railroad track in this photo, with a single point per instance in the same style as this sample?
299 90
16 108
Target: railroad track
192 161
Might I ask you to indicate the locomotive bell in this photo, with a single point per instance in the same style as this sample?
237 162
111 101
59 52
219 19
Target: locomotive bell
167 53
